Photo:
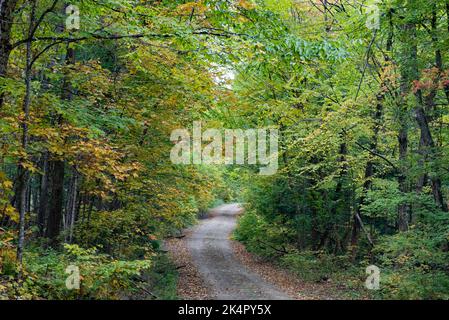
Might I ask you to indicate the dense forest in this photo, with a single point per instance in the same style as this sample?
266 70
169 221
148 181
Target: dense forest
91 90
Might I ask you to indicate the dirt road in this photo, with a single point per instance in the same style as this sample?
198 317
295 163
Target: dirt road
212 254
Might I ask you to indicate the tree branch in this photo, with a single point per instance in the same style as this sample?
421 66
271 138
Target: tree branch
93 36
378 155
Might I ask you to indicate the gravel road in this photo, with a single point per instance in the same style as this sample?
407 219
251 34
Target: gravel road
213 256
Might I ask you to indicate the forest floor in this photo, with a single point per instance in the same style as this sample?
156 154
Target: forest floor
213 266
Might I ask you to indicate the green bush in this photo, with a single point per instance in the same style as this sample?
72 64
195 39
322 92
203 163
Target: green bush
310 265
125 234
260 237
415 285
102 277
415 264
162 278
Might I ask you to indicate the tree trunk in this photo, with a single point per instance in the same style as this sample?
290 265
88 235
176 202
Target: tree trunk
74 205
427 144
71 205
404 208
409 72
56 201
7 8
43 197
357 223
22 170
58 168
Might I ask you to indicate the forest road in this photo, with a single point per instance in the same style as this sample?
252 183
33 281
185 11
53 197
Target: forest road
211 250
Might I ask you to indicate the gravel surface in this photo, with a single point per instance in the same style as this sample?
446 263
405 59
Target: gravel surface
212 254
284 279
191 285
212 266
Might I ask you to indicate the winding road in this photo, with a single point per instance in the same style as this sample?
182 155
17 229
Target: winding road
212 254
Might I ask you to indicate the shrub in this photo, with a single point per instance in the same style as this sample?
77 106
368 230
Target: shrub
102 277
260 237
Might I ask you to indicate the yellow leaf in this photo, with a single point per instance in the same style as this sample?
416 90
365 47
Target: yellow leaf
246 4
